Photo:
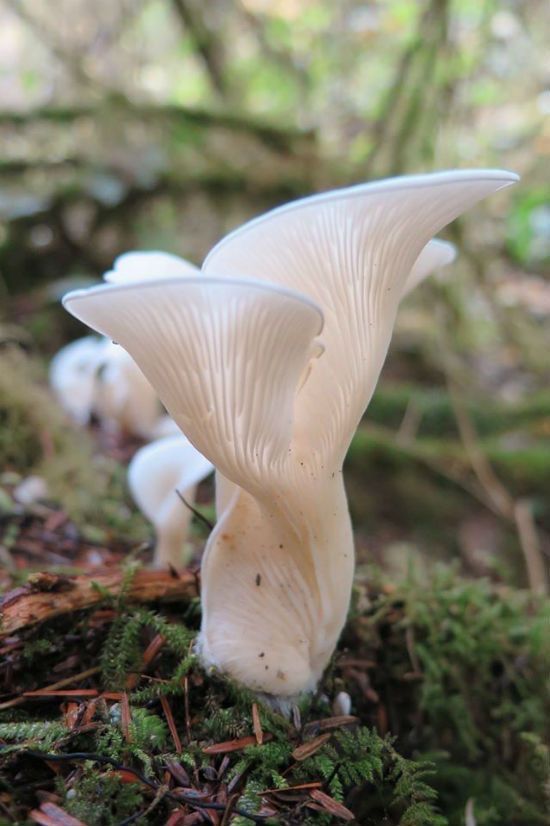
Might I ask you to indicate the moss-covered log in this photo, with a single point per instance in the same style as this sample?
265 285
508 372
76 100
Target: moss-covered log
434 415
73 210
525 469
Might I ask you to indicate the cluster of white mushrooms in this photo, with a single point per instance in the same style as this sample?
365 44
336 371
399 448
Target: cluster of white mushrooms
267 359
95 378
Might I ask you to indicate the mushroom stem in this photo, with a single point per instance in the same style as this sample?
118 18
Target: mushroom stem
295 573
158 476
172 533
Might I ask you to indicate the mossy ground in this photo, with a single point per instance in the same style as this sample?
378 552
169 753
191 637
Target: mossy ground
450 704
448 679
37 438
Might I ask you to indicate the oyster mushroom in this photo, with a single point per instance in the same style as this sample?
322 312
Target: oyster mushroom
95 377
239 365
73 372
156 475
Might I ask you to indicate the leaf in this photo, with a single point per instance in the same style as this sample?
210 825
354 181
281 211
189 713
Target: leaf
312 746
51 815
234 745
331 805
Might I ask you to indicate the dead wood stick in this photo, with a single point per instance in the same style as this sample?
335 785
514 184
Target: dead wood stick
534 557
74 678
43 600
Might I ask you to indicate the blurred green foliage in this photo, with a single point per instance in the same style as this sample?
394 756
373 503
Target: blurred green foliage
164 124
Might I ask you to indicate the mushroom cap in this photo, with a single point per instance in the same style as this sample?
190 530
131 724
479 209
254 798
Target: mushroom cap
73 374
148 265
225 356
161 468
436 254
484 180
352 251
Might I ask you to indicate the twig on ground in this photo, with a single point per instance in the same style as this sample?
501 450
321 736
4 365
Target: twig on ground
27 606
518 512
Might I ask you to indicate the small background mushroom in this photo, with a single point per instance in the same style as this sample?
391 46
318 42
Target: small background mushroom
157 474
95 377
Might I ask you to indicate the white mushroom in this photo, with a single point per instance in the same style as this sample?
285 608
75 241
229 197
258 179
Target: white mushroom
435 255
156 474
93 376
231 359
341 704
165 426
73 373
123 398
146 265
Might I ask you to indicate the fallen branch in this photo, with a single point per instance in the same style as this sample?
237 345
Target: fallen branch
516 511
283 139
49 596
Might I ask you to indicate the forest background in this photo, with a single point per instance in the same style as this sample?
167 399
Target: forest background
163 124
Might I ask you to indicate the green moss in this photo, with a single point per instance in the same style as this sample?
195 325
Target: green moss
528 468
458 669
476 660
102 798
436 416
37 438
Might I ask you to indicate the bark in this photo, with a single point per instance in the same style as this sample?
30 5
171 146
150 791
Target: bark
47 596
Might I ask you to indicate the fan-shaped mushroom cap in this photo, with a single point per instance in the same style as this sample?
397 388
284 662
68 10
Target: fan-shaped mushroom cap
155 475
352 250
225 355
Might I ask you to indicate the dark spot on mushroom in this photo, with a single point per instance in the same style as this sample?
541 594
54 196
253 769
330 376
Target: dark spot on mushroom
281 546
262 654
281 675
100 371
267 668
258 579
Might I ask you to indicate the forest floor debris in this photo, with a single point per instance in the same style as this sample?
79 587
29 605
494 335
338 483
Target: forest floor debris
106 716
